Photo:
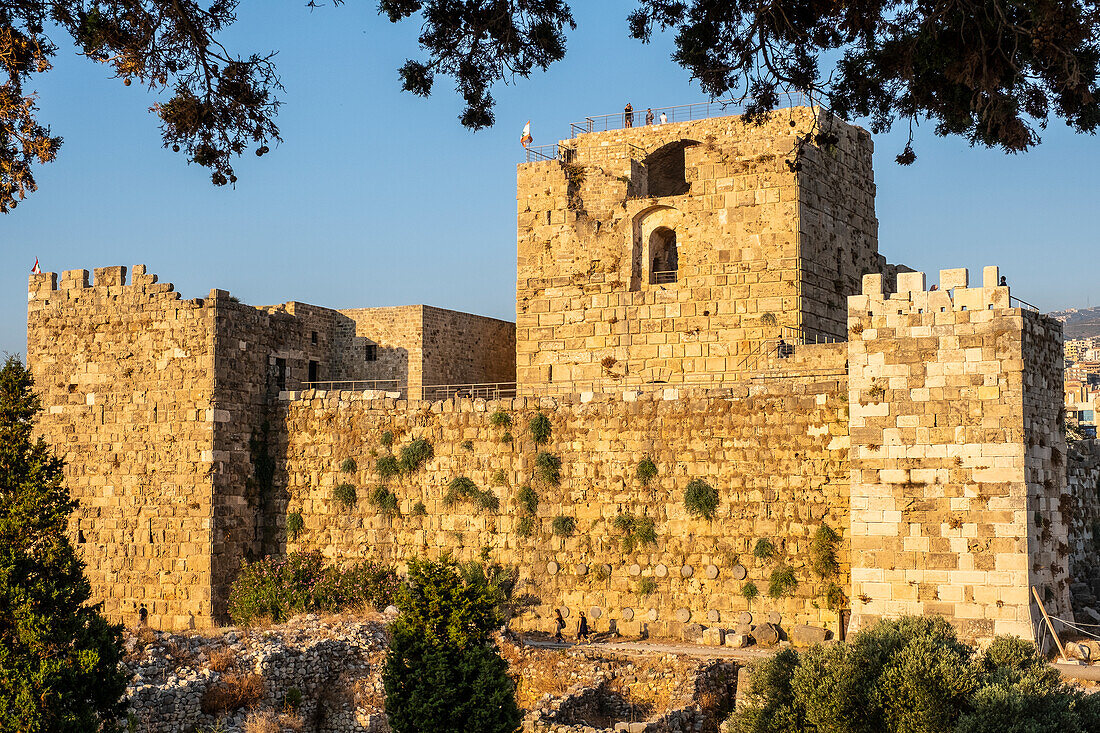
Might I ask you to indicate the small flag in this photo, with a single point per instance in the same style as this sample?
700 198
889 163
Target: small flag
527 139
35 270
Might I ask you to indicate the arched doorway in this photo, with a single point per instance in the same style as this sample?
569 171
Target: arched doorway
664 256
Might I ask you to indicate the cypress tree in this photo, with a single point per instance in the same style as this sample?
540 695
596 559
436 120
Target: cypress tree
59 658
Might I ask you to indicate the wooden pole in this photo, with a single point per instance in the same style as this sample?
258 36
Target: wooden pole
1061 649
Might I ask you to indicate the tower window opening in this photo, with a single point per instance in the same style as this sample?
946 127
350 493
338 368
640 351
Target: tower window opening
372 352
665 255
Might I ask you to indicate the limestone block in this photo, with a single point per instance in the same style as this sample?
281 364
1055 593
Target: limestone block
956 278
808 635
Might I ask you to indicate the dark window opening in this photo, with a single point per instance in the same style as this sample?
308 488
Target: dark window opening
372 352
280 373
313 337
666 256
313 366
667 170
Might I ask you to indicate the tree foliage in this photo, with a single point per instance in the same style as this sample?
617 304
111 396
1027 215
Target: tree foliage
443 671
59 658
913 675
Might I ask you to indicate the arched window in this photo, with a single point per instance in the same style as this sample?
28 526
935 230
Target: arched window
665 256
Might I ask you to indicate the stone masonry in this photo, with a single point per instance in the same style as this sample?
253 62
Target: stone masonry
658 269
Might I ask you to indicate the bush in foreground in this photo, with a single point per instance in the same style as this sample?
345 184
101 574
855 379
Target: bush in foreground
444 672
59 658
274 590
913 675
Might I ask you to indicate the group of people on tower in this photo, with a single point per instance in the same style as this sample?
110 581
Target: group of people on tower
628 116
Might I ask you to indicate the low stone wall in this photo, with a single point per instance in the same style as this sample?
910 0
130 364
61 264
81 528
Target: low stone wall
1081 509
776 453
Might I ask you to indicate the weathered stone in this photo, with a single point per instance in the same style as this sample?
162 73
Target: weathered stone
808 635
765 635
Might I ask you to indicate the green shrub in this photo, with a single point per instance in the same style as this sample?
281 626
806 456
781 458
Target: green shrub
462 488
468 445
416 454
564 526
348 465
506 438
387 438
647 471
294 525
527 499
823 551
60 661
384 500
387 467
645 530
647 586
292 700
834 597
548 468
637 531
419 510
540 428
749 591
782 582
500 478
526 525
701 499
763 550
345 494
273 590
443 671
912 675
500 419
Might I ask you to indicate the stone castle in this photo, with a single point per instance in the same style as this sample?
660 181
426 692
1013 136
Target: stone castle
684 295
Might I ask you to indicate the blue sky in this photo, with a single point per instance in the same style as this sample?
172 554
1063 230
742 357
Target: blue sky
377 197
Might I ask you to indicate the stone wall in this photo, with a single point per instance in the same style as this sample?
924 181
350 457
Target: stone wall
776 453
397 333
461 348
759 247
953 409
126 377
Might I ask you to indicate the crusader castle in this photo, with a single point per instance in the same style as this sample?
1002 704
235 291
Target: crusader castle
682 296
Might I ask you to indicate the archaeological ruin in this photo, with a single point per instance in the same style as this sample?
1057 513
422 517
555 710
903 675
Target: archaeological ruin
750 416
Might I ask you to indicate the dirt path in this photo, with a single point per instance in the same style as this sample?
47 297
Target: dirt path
658 647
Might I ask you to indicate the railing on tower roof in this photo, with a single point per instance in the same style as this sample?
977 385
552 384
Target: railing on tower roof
675 113
566 153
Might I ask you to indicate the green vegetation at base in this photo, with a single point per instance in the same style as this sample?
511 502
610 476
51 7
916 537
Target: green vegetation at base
273 590
913 675
443 671
59 658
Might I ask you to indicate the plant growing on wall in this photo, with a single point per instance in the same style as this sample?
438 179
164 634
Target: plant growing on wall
637 531
540 428
647 586
387 467
462 488
384 500
415 454
387 438
506 438
419 510
527 499
468 445
564 526
701 499
548 468
500 419
782 582
294 525
763 550
834 597
345 494
647 471
526 525
823 551
749 591
500 478
348 465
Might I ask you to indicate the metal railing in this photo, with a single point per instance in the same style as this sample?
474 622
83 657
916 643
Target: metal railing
486 391
357 385
663 277
1022 303
569 153
676 113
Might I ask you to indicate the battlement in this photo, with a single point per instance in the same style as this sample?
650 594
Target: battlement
952 294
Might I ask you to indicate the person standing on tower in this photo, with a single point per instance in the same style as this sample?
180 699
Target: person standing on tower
649 116
628 115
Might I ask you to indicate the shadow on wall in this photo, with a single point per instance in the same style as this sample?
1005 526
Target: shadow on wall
667 174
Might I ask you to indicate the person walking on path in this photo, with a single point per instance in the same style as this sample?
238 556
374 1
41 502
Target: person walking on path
559 622
582 629
628 115
649 116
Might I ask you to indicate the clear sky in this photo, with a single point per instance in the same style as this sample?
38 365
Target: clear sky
377 197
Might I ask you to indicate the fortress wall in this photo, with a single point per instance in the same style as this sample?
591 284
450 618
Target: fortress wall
1082 515
398 333
586 231
125 374
950 445
462 348
777 453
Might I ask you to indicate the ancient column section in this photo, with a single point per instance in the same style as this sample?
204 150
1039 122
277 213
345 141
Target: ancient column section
673 252
125 373
953 398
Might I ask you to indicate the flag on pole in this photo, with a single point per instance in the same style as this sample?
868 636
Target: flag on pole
35 270
527 139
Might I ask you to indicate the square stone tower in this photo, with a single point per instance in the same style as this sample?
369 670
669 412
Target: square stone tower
683 252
